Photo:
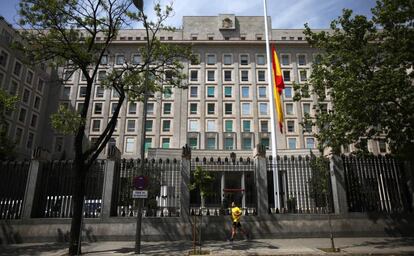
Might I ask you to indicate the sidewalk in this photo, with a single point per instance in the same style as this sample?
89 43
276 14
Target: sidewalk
298 246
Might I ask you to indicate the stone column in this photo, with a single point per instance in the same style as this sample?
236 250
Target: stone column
109 178
185 182
261 180
337 174
31 183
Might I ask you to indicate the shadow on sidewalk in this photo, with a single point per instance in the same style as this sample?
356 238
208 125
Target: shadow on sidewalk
31 249
386 243
155 249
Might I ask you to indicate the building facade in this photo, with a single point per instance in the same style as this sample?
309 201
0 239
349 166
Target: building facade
226 105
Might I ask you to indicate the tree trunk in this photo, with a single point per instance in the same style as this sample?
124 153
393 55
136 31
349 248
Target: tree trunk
78 197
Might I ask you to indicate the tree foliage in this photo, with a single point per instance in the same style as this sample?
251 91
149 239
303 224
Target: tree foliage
7 104
366 71
202 181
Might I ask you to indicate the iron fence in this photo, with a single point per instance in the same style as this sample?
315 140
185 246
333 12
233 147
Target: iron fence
301 189
13 178
53 197
233 181
164 188
375 184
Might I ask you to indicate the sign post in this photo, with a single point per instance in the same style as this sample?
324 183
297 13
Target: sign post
140 183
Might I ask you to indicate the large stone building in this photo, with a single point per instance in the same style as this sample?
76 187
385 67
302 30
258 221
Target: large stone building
224 109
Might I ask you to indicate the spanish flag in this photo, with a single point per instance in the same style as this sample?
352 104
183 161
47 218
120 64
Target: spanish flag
280 85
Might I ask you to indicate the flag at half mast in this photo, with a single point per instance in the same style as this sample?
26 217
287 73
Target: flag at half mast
279 86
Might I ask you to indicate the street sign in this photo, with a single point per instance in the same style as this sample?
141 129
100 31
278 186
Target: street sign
140 182
136 194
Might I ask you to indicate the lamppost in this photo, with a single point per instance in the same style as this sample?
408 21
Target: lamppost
140 6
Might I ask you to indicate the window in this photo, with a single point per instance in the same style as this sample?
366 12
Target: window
306 108
193 92
246 125
148 144
26 95
195 61
211 75
129 145
99 92
193 142
264 126
247 143
132 108
101 75
211 59
245 91
289 109
166 125
120 59
22 115
136 59
114 105
288 92
211 108
115 94
265 142
167 108
228 125
228 143
14 87
227 76
210 92
228 59
29 77
261 59
292 143
104 60
286 75
148 125
246 109
97 110
211 143
36 104
303 76
194 75
130 125
83 77
382 146
30 139
193 108
40 84
33 121
244 59
4 57
302 60
1 79
323 107
263 108
211 126
167 93
262 92
58 144
193 125
96 125
228 91
285 60
244 75
165 142
310 143
261 75
307 128
17 70
82 92
290 126
228 108
150 108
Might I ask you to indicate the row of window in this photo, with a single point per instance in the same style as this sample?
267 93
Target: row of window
18 134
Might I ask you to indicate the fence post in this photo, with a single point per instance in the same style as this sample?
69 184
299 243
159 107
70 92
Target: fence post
29 193
337 172
409 175
185 182
109 172
261 180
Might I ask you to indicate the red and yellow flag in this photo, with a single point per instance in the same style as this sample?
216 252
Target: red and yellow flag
279 86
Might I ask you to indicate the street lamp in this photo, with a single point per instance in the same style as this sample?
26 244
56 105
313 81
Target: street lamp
140 6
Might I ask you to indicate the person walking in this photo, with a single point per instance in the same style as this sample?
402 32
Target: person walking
236 214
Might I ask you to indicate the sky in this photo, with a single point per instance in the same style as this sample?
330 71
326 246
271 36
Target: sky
285 14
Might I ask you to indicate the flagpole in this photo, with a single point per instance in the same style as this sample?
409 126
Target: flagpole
272 114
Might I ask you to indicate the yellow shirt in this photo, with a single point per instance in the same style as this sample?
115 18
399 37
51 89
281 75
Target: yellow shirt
236 214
